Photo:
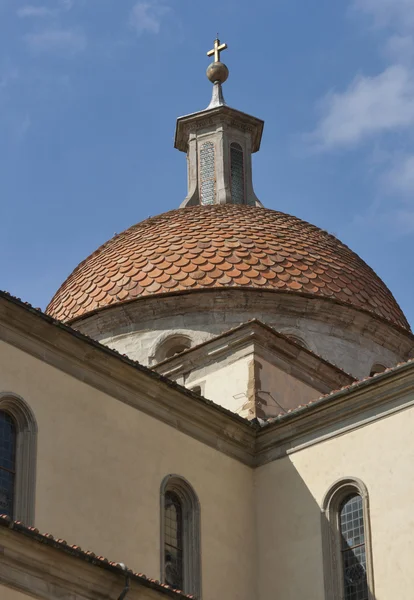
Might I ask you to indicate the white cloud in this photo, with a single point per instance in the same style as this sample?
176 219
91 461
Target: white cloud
400 49
369 106
388 13
400 177
65 41
29 11
146 17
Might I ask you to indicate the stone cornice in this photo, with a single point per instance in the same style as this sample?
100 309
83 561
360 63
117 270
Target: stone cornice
102 368
208 118
116 375
41 566
328 311
337 413
305 364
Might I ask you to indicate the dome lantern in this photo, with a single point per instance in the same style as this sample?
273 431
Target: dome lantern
219 142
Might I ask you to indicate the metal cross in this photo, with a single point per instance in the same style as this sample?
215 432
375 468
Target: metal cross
216 50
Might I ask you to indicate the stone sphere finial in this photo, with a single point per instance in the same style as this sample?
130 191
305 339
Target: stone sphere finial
217 72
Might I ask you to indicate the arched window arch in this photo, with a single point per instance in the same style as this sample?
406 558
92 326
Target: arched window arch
172 345
377 368
238 192
347 542
180 535
18 436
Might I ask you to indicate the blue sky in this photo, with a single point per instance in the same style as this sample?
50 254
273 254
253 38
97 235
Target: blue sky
89 94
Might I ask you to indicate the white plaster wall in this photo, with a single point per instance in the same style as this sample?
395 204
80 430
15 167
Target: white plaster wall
354 353
226 384
100 465
226 381
289 494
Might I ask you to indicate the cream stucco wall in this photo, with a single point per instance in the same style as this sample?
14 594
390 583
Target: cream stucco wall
289 494
100 464
8 593
279 390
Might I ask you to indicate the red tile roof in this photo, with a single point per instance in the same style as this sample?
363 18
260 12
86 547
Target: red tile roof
223 246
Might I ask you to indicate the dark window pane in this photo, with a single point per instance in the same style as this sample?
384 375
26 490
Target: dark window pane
354 563
237 174
173 535
7 463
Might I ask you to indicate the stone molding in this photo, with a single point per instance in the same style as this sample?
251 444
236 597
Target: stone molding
351 322
40 570
208 118
106 370
98 366
271 345
335 414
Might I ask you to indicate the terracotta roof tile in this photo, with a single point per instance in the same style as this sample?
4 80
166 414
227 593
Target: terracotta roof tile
222 246
90 557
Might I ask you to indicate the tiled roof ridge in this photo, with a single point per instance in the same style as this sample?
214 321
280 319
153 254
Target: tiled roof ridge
123 357
294 412
90 557
269 328
223 247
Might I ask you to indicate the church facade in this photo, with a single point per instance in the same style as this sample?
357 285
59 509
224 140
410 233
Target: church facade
220 398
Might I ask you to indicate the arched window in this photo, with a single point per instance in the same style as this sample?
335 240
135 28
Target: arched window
180 535
237 174
7 463
18 433
172 345
347 547
207 173
377 368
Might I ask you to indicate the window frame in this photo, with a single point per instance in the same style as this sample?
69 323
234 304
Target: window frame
331 537
26 454
191 551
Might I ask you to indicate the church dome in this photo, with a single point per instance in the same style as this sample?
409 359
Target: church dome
222 247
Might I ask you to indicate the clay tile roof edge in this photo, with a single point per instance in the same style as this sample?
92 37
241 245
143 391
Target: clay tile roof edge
124 358
335 394
88 556
268 328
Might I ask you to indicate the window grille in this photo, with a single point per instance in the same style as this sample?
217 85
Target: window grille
180 536
207 173
7 463
348 569
173 541
237 174
354 564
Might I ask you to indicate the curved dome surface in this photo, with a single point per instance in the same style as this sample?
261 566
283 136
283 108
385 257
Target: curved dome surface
222 246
